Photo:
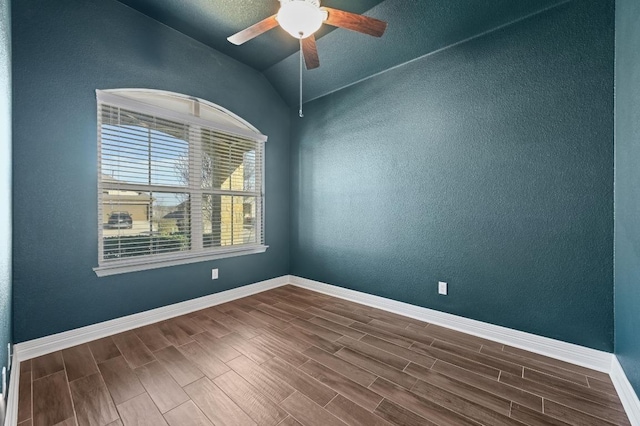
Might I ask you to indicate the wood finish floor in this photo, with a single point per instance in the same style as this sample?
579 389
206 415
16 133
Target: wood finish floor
290 356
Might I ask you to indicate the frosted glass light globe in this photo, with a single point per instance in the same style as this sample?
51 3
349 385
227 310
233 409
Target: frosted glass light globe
300 18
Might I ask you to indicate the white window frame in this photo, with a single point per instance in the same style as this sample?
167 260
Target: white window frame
158 103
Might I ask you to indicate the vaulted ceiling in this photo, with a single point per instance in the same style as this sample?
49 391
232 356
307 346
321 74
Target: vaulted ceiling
416 28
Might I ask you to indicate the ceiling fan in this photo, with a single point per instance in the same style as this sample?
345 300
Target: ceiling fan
301 19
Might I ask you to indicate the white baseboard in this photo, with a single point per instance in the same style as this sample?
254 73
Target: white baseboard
627 395
67 339
575 354
11 411
564 351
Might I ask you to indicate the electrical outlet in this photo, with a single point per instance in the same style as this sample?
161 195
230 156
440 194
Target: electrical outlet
442 288
214 274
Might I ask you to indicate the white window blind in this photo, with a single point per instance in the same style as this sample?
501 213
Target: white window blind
173 187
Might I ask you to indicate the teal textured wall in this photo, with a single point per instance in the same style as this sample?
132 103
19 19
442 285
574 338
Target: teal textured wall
488 165
627 190
64 51
5 180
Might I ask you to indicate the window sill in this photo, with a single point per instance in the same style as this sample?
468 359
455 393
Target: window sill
134 265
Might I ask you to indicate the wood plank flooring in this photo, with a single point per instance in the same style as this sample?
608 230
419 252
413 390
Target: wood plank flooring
290 356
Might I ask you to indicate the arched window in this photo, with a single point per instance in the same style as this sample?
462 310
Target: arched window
180 180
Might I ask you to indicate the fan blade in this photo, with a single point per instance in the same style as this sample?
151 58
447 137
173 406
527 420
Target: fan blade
355 22
253 31
310 52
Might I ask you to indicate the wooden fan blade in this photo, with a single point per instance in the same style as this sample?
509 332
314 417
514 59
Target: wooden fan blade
355 22
310 52
254 31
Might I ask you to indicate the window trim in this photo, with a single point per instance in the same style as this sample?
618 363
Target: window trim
162 260
243 129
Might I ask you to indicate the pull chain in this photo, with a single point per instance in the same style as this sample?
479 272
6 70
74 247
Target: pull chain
301 64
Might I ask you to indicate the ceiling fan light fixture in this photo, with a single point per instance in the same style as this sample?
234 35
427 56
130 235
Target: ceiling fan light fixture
300 18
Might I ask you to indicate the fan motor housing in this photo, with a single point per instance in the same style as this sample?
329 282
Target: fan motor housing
316 3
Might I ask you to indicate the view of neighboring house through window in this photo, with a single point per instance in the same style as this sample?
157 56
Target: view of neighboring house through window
176 184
